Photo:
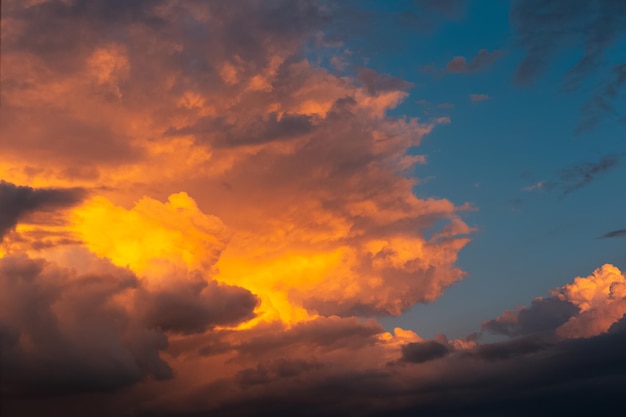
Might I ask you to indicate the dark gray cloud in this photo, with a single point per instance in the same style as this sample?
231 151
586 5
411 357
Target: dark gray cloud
63 332
525 376
328 333
424 351
72 337
520 377
614 233
543 316
274 370
193 307
512 349
223 134
17 201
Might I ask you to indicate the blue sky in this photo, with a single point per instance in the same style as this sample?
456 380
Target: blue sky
527 242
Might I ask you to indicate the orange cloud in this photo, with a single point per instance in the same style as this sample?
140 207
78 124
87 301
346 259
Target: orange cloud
244 202
587 307
601 298
153 237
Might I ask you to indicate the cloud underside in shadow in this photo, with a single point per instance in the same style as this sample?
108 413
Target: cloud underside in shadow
19 201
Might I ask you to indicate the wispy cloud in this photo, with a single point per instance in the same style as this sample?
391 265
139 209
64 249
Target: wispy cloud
580 175
477 98
614 233
459 64
545 26
536 186
482 61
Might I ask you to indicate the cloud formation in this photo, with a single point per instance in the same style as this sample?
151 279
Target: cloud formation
587 307
477 98
614 233
97 327
483 60
19 201
578 176
250 214
544 27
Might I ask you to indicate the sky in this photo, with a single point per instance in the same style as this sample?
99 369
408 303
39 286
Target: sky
300 207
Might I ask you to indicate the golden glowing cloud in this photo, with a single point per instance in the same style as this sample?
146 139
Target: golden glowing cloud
152 237
601 298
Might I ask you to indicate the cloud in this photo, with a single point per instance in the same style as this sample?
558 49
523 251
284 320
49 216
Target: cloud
278 369
491 379
536 186
587 307
580 175
600 22
19 201
477 98
297 213
198 306
375 82
423 351
483 60
250 208
614 233
264 130
602 101
70 333
319 367
544 315
545 27
99 328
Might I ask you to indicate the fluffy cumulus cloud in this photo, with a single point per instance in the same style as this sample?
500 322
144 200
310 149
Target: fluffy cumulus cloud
199 219
303 170
587 307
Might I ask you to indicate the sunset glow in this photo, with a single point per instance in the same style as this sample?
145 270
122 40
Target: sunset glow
312 208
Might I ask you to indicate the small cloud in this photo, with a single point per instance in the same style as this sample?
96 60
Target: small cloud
577 176
614 233
445 106
580 175
483 60
428 68
338 63
536 186
476 98
377 83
